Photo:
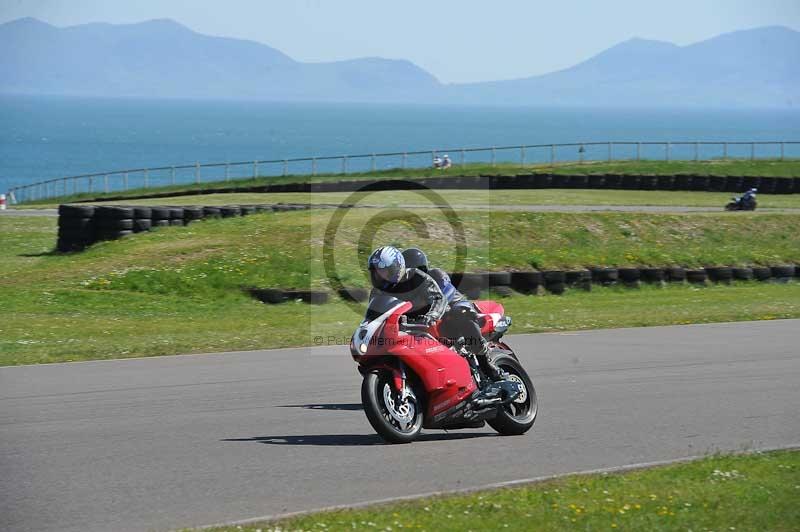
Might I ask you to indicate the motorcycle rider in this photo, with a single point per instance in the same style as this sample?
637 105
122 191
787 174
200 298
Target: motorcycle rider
749 197
460 320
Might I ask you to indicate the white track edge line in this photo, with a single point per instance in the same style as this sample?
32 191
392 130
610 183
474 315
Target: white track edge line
494 485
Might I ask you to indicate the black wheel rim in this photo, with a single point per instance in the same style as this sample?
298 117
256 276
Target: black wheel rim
402 415
525 406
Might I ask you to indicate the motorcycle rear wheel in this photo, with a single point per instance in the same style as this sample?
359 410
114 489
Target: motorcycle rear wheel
519 416
393 420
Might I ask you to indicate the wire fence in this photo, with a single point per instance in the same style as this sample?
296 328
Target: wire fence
523 155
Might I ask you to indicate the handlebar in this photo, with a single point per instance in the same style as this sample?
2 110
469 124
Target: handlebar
405 326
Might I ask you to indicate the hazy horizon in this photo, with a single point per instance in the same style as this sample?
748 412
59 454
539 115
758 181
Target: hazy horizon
457 42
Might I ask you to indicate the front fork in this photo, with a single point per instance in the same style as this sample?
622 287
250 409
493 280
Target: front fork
400 384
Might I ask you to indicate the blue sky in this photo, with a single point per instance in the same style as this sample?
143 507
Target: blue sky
456 40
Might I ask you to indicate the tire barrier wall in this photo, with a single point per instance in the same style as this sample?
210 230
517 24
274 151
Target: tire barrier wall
732 184
80 226
504 284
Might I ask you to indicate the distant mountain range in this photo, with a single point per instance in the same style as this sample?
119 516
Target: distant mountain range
163 59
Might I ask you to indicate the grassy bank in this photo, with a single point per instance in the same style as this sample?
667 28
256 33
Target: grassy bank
745 493
178 290
759 168
497 199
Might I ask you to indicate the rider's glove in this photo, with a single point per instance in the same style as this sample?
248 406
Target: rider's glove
428 320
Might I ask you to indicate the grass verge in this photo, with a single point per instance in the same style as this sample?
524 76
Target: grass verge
496 199
741 492
759 168
178 290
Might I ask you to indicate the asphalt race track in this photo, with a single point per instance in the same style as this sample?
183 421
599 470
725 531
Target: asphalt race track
179 441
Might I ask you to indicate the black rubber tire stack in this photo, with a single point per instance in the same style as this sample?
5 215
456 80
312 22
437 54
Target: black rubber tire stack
470 284
142 219
717 183
160 216
354 293
648 182
733 184
314 297
700 183
683 182
630 277
614 181
750 182
631 182
596 181
272 296
697 276
113 222
782 273
212 212
652 275
554 281
526 282
191 214
762 273
604 276
230 211
247 210
176 216
676 274
742 274
784 186
720 274
767 185
666 182
496 279
579 279
75 227
578 181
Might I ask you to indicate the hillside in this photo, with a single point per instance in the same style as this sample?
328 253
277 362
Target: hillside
163 59
759 67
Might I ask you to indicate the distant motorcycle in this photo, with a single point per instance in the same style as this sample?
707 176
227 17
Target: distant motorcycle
745 203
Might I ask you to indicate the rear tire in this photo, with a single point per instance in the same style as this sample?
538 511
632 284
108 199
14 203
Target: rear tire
377 396
518 417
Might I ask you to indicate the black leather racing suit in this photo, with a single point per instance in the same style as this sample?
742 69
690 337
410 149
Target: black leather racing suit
426 293
419 289
460 321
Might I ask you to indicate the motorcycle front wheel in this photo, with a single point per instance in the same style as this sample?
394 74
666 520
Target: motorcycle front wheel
518 416
395 420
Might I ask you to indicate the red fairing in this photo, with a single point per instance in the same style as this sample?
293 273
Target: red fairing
445 375
491 312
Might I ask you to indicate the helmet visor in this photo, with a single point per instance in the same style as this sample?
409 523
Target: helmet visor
390 273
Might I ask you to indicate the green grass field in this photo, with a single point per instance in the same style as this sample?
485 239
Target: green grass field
762 168
753 492
496 199
178 290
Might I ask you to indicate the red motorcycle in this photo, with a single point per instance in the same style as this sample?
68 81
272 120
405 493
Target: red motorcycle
414 379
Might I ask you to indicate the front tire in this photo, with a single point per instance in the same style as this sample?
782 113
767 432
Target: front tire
393 420
519 416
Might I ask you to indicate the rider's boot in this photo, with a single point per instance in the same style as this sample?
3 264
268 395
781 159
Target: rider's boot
489 368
